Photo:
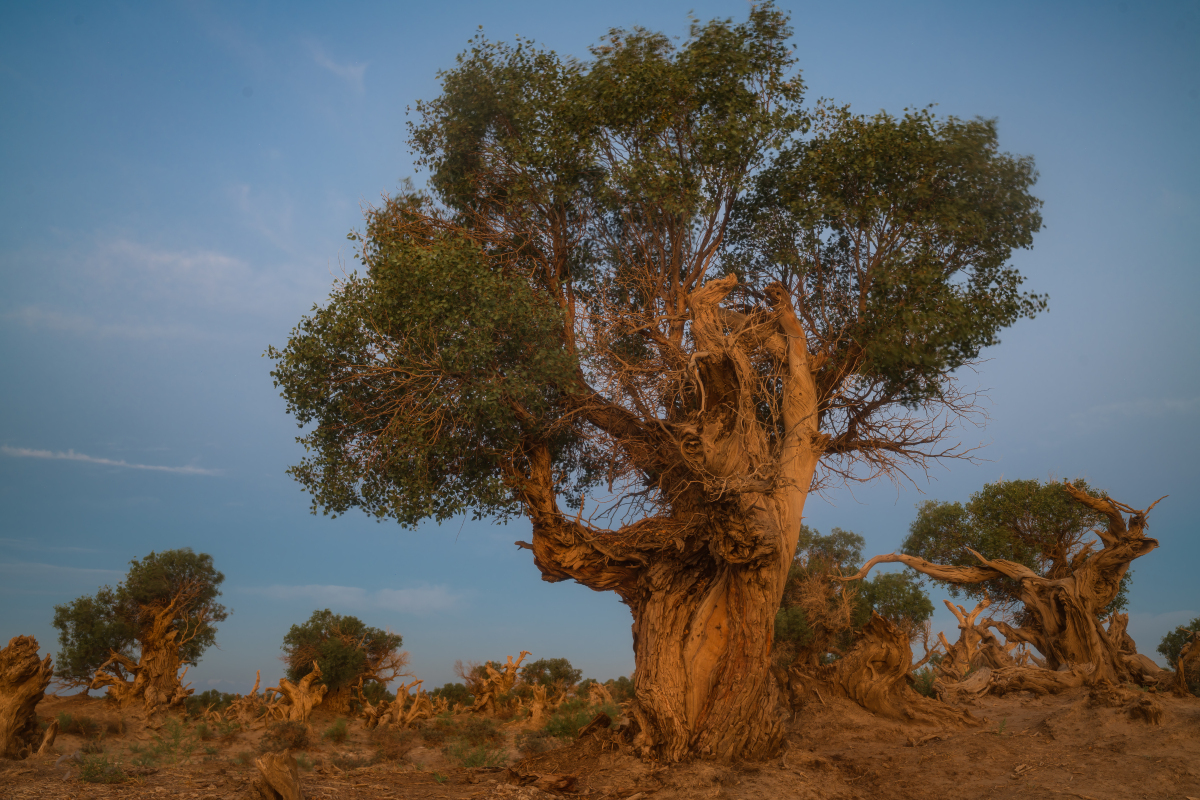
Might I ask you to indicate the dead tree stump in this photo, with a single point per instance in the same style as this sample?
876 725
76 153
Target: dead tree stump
278 778
23 681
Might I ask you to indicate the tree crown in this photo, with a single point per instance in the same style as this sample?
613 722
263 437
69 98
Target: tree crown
348 651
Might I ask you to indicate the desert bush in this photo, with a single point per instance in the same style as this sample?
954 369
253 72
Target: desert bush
92 747
98 769
621 689
243 759
337 732
550 672
282 736
455 693
923 681
303 763
391 744
197 704
480 756
532 743
345 761
572 715
78 726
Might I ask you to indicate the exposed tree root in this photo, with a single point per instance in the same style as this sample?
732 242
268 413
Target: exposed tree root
874 674
23 681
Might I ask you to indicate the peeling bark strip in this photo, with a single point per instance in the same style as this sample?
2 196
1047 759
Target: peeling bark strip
23 681
1066 629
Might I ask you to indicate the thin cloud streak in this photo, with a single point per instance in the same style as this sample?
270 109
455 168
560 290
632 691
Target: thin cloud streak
71 455
417 600
351 73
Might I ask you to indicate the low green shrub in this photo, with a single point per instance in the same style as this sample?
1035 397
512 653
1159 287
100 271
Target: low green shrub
475 756
532 743
923 681
337 732
572 715
98 769
197 704
392 744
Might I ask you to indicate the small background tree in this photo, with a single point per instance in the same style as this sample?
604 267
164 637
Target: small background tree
1035 524
135 638
349 653
819 617
1171 647
556 673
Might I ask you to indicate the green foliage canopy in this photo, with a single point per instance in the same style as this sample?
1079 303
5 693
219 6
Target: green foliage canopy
550 672
345 649
90 628
1035 524
535 297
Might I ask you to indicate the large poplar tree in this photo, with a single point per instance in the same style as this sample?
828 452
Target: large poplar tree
648 302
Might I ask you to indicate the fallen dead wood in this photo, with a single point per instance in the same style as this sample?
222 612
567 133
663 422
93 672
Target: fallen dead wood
278 778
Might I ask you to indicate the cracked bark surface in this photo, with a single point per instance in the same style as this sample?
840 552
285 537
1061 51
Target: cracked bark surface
1066 626
23 681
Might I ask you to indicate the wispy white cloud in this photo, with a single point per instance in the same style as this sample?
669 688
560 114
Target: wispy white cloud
46 319
71 455
351 73
32 569
417 600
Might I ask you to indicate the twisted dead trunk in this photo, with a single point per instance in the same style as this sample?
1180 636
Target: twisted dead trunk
23 681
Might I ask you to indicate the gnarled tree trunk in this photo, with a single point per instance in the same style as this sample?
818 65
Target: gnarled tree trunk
156 683
976 646
296 700
23 681
704 579
1066 628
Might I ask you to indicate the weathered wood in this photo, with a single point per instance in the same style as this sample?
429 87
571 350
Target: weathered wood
278 778
23 681
294 702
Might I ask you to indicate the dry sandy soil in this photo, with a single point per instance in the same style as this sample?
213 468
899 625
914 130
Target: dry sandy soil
1090 745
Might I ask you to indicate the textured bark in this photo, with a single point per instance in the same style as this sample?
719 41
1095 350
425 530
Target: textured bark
295 701
156 682
875 674
704 579
23 681
976 647
278 778
1066 627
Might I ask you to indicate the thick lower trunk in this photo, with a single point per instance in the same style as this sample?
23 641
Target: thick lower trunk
23 681
703 683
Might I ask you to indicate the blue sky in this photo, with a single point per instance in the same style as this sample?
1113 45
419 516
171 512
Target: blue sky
178 180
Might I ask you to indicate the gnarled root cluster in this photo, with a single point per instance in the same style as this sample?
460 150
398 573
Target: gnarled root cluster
875 673
23 681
